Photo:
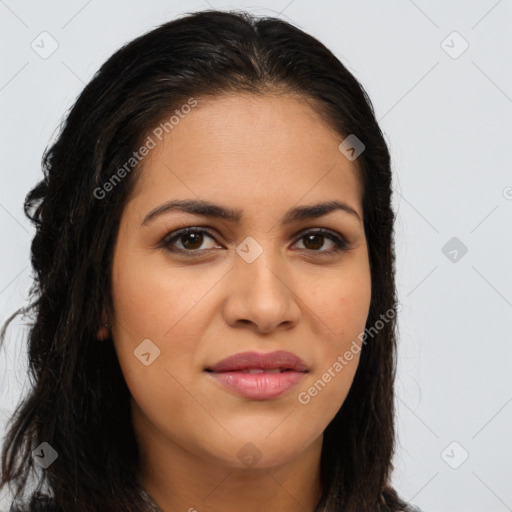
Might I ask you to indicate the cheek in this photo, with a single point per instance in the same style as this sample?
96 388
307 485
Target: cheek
340 303
341 311
152 300
322 395
154 304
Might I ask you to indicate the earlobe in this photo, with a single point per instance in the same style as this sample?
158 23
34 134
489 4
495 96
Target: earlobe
103 332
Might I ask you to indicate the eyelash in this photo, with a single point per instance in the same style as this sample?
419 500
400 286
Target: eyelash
341 244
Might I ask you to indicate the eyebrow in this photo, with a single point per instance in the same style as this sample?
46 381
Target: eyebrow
209 209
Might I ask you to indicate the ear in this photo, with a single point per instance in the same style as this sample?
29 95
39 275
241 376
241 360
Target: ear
103 332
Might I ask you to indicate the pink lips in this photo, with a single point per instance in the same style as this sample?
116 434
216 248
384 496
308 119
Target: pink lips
259 376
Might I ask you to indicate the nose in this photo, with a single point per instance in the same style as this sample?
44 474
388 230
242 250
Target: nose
261 296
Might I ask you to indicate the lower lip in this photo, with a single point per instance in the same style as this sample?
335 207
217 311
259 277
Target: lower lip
258 386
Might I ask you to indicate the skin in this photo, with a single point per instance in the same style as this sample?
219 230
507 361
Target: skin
263 155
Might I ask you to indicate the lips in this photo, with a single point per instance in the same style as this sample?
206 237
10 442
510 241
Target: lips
256 376
254 362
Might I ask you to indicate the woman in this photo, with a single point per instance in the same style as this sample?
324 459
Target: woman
215 302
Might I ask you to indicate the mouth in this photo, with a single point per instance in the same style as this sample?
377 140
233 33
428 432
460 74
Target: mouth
258 376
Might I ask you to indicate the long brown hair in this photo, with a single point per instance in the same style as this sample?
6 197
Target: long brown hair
79 402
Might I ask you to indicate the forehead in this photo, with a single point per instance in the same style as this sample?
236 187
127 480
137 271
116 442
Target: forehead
258 149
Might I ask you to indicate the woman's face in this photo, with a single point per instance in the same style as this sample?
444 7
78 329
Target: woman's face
263 282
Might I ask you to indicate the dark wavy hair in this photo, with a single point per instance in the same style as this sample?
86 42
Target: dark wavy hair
79 401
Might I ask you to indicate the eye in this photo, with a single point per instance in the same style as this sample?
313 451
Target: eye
191 239
315 238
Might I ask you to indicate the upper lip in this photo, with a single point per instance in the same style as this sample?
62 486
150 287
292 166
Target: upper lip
254 360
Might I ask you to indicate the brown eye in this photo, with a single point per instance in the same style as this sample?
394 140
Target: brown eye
315 240
191 239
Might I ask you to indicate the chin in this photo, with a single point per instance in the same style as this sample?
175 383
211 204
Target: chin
259 452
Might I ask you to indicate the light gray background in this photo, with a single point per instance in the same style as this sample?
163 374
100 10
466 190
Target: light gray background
448 124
